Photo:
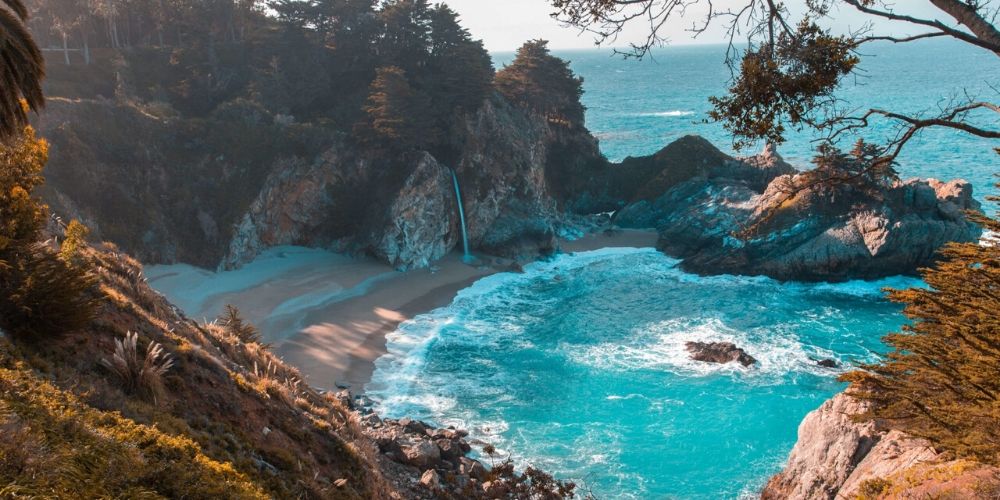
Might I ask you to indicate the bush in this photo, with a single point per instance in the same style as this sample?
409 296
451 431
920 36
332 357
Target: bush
237 327
75 240
42 295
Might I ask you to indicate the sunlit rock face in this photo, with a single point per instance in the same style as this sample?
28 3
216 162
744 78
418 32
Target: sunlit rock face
721 220
835 456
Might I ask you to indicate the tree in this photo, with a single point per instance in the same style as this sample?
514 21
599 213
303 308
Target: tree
234 324
461 68
396 117
789 71
21 69
940 381
542 82
40 294
406 38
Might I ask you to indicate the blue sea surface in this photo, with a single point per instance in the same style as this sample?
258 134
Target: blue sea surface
579 366
637 107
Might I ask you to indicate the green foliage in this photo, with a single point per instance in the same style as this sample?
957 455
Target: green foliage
75 240
786 81
40 294
542 82
863 169
235 325
940 381
397 117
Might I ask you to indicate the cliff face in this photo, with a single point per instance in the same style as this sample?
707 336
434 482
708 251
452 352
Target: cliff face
171 189
836 457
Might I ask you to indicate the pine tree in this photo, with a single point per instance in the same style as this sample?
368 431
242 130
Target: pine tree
397 117
941 380
538 80
462 71
236 326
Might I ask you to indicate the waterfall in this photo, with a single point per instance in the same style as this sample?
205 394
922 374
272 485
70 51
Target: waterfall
461 217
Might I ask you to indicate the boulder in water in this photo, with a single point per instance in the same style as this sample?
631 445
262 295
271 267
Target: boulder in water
719 352
828 363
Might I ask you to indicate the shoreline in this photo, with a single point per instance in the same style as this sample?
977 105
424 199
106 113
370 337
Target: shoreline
327 314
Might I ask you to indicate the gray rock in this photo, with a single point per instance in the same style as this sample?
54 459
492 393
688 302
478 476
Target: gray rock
719 352
422 454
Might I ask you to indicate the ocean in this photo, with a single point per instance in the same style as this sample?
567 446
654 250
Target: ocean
637 107
578 365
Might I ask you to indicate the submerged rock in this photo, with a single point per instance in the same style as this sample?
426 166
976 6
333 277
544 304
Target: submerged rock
719 352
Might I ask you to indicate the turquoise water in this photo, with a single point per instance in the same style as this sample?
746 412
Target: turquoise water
637 107
578 366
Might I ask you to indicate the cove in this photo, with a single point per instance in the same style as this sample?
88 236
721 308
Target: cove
578 366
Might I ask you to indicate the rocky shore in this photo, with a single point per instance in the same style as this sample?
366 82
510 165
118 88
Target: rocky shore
836 457
813 237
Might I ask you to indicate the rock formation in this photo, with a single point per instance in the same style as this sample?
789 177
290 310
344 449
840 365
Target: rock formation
837 457
719 352
814 237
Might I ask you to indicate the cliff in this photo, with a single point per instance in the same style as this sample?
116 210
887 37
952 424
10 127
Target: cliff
837 457
218 190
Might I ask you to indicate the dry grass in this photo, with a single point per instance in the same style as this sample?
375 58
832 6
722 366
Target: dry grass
139 374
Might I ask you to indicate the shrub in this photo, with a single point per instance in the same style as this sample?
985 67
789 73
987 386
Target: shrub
76 238
139 374
42 295
235 325
39 293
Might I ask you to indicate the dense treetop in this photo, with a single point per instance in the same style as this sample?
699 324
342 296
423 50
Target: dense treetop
541 81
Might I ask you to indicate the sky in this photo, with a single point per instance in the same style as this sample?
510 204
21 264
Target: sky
505 24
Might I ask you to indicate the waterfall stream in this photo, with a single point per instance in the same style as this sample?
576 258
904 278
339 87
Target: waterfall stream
461 217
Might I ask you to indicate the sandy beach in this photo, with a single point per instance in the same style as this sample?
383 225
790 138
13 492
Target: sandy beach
328 314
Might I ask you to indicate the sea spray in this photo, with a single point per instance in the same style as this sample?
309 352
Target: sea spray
578 366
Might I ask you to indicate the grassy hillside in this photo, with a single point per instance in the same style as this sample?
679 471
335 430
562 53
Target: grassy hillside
226 420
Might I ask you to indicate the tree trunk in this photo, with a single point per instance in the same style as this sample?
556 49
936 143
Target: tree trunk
65 50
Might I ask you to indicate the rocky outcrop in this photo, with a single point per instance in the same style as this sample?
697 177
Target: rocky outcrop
837 457
422 221
719 352
722 220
